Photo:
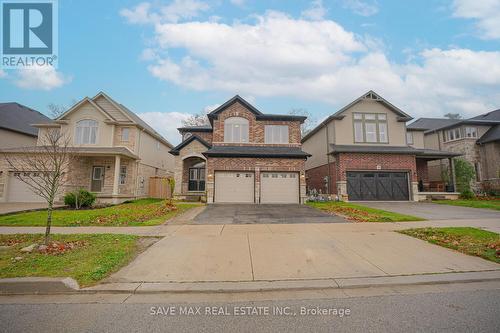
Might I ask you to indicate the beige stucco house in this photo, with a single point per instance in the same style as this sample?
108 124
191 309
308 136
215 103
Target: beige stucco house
116 153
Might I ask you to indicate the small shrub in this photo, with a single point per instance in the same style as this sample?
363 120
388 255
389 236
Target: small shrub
467 194
80 198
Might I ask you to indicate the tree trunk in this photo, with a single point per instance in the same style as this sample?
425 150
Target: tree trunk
49 223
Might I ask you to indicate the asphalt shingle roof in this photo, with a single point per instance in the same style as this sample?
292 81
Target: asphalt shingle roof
389 150
493 134
19 118
255 151
431 123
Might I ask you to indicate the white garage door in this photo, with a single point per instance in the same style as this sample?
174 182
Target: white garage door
279 187
20 192
236 187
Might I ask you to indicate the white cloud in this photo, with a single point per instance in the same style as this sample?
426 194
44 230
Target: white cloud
165 123
239 3
363 8
316 12
146 13
40 78
485 12
3 73
278 55
209 108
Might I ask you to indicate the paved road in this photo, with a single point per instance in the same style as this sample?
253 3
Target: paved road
263 214
456 311
432 211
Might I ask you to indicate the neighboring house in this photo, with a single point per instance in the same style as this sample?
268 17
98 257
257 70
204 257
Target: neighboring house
15 125
243 156
477 139
116 151
364 152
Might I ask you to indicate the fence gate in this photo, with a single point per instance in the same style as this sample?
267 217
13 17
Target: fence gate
159 187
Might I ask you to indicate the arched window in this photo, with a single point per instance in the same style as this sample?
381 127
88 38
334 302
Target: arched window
187 136
86 132
235 129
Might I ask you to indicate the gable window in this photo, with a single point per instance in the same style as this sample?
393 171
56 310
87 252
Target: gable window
123 175
276 134
236 130
409 138
453 134
370 127
125 133
471 132
186 136
86 132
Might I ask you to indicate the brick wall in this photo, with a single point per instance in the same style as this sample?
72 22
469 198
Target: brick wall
207 136
362 161
315 179
256 128
422 170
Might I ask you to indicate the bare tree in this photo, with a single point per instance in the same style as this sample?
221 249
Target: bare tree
44 168
308 124
57 110
450 115
199 119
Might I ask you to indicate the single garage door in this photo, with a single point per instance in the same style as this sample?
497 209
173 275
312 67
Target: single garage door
235 187
279 187
383 186
19 191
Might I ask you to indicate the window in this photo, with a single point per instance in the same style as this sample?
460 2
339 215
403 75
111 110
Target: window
276 134
471 132
186 136
125 133
370 127
236 130
157 145
86 132
409 138
453 134
123 174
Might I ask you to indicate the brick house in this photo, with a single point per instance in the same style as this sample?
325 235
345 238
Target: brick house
242 156
116 153
477 139
364 152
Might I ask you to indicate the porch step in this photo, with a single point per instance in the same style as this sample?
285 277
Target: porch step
193 198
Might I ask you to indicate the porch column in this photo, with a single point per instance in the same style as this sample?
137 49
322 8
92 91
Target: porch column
116 178
452 174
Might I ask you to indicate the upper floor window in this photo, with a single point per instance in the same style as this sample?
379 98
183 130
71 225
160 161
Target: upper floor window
125 133
471 132
276 134
409 138
236 130
370 127
453 134
187 136
86 132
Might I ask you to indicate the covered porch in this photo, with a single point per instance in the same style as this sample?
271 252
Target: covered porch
191 184
110 174
428 187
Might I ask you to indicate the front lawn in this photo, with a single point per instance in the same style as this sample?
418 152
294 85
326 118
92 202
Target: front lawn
86 258
360 213
471 241
143 212
475 203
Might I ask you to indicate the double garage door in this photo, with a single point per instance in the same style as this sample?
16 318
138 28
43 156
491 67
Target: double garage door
383 186
239 187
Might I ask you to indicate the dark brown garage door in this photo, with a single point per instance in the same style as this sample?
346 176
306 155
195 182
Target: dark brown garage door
377 185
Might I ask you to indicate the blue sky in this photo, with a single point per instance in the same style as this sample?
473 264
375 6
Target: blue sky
168 59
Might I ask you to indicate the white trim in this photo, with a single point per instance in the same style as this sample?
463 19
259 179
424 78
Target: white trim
194 155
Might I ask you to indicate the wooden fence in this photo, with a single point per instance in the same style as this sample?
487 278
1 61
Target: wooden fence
159 187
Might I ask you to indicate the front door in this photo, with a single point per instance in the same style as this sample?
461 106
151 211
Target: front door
196 179
97 179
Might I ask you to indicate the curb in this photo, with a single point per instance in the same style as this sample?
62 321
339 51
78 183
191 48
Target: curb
19 286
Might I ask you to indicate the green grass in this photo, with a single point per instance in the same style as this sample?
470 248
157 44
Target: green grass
143 212
471 241
490 204
101 255
360 213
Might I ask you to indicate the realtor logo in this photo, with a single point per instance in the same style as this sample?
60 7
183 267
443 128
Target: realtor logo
29 33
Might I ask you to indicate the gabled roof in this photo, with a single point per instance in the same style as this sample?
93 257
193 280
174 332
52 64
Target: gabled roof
370 95
431 123
230 102
492 115
177 149
19 118
256 151
493 134
80 103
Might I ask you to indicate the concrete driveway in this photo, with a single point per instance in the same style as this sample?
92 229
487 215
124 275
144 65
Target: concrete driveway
432 211
263 214
197 253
